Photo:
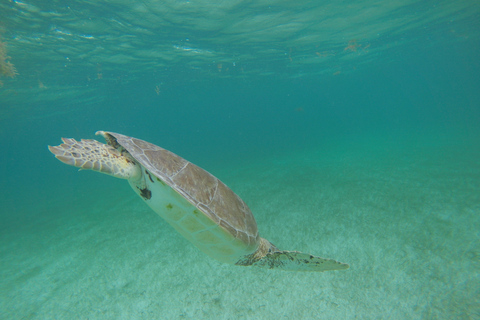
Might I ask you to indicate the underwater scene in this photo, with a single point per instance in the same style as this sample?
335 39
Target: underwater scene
348 131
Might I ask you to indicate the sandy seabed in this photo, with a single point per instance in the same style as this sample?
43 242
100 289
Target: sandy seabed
406 220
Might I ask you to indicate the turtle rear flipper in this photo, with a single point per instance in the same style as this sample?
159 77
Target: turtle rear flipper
96 156
298 261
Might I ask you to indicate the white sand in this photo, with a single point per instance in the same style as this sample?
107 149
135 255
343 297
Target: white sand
406 220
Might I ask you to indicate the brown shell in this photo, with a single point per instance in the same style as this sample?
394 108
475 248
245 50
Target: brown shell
199 187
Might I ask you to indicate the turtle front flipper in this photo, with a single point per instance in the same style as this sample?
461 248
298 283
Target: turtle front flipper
96 156
298 261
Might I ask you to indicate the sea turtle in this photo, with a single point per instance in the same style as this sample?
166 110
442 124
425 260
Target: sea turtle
198 205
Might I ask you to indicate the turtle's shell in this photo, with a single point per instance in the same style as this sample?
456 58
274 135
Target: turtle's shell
204 191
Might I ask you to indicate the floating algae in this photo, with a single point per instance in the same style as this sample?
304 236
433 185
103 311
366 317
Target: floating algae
6 68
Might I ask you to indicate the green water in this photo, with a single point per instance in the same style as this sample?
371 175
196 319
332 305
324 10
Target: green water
351 131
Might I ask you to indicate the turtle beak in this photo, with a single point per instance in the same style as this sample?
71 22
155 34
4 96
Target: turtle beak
108 138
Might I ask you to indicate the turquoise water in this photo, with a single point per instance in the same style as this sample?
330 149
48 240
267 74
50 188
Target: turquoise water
350 129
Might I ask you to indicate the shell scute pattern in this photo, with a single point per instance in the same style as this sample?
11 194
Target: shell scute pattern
191 224
213 198
239 223
165 162
201 186
207 237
